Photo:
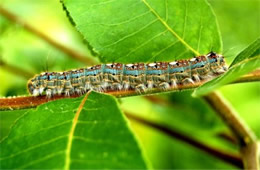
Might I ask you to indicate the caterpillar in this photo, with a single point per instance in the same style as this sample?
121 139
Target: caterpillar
140 77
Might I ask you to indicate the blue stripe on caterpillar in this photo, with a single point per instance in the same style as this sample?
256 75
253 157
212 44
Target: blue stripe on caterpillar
138 76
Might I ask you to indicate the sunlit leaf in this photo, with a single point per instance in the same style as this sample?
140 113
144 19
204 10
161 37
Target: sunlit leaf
250 52
146 30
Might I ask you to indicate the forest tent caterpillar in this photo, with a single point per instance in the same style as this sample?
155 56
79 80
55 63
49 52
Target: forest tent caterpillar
140 77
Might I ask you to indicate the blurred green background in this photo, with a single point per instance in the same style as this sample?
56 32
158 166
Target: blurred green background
239 23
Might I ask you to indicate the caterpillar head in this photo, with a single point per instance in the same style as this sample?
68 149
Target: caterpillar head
217 63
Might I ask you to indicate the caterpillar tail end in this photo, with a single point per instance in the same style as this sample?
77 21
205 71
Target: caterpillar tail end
30 87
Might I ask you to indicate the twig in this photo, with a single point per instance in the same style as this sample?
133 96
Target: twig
70 52
15 70
30 101
251 77
227 137
164 102
230 117
250 156
245 136
227 157
12 103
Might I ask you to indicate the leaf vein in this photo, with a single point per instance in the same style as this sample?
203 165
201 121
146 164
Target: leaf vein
170 29
102 3
121 23
70 136
185 20
93 161
166 10
198 47
40 160
130 35
99 141
179 56
147 41
33 147
43 129
162 50
98 121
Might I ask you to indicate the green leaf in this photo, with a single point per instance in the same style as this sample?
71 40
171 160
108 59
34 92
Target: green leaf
251 51
248 60
85 132
7 119
146 30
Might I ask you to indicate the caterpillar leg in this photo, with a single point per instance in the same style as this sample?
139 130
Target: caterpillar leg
206 77
79 91
164 86
49 93
59 91
68 92
196 77
173 83
141 88
126 86
150 85
220 71
117 86
187 81
98 88
36 92
105 85
41 90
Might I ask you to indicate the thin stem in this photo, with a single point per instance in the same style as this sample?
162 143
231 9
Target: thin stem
70 52
250 156
15 70
251 77
222 155
164 102
246 137
30 101
227 137
230 117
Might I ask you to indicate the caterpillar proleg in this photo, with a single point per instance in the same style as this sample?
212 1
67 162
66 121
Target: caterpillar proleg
140 77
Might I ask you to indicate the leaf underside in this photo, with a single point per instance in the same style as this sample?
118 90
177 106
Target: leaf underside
146 30
45 137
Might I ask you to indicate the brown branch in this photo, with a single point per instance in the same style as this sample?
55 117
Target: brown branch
245 136
31 101
251 77
164 102
230 117
15 70
250 156
227 137
70 52
11 103
222 155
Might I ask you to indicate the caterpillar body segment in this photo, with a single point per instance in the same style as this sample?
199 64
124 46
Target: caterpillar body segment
140 77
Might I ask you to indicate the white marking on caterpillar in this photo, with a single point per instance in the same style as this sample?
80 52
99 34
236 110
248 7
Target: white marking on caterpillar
136 76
